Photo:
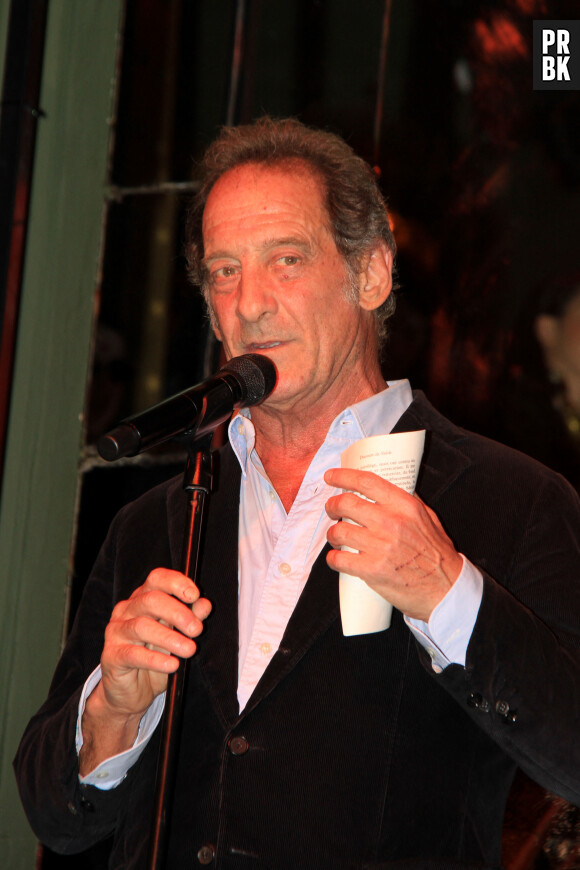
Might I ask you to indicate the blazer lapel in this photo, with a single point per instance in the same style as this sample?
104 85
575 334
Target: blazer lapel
443 460
317 609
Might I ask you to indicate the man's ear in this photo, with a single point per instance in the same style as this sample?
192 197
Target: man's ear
376 279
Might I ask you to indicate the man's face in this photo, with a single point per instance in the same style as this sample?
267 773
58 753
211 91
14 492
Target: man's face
560 340
277 284
569 345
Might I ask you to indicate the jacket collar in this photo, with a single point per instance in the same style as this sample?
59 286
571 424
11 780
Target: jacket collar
443 459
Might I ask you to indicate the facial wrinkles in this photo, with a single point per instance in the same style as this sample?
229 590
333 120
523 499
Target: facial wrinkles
349 289
245 206
247 236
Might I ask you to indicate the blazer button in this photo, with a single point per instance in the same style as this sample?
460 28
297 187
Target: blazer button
508 715
238 745
478 702
206 854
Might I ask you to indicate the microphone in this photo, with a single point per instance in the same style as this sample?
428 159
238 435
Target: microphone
241 382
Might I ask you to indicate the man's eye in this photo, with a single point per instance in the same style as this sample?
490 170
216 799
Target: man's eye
223 273
289 260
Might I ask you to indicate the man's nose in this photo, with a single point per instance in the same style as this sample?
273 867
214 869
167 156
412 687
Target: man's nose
256 294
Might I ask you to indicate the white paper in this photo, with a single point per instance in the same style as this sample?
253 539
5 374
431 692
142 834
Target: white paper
396 458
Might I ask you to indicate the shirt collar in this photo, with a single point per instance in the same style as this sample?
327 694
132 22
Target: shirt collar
376 415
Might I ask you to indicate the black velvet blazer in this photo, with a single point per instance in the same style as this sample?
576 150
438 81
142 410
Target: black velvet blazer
355 754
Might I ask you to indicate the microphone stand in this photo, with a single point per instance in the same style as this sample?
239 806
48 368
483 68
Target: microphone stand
197 484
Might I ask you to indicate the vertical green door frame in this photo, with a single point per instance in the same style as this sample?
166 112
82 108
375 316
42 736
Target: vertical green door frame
37 507
4 16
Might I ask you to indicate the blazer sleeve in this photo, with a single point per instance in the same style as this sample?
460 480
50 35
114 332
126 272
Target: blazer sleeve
521 682
64 815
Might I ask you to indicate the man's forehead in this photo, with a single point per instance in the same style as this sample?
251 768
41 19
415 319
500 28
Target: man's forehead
296 174
255 191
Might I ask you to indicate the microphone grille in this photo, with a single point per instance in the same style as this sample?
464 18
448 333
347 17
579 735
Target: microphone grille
256 375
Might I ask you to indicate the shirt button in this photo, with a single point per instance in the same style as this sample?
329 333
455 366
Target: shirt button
238 745
241 428
285 568
103 775
266 648
206 854
272 495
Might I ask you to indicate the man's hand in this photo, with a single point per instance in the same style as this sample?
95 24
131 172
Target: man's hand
145 637
403 552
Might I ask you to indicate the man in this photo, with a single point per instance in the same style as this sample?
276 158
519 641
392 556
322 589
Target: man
303 748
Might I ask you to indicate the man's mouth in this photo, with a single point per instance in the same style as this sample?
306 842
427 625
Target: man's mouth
267 345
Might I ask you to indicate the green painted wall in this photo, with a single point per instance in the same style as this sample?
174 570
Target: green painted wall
4 11
53 351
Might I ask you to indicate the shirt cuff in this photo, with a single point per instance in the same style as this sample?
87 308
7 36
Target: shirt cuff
112 771
447 634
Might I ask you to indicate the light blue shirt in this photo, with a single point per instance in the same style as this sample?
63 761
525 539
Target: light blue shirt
277 551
